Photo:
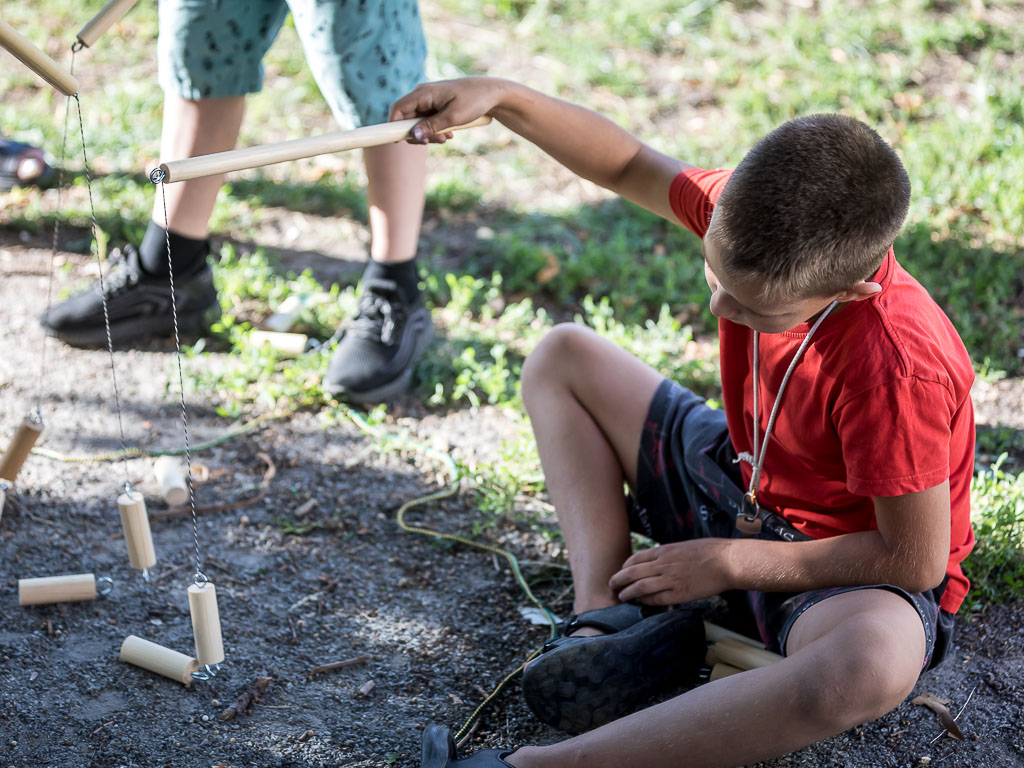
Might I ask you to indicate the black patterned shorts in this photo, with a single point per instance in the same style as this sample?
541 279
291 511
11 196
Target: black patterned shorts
689 486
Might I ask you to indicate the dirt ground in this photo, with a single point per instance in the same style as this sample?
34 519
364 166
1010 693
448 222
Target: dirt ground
438 625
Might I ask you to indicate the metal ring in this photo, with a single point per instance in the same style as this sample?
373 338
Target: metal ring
207 673
4 485
35 416
77 46
157 175
104 586
128 489
200 579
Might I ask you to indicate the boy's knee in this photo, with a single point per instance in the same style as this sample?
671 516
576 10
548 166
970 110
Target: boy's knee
868 673
555 355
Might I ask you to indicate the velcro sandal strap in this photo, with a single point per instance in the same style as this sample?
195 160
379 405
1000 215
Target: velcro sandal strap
613 618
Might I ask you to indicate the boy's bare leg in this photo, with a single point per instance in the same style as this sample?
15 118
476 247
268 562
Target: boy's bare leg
852 658
587 400
192 128
396 180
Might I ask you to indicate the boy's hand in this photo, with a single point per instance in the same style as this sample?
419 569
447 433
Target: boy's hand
445 104
674 573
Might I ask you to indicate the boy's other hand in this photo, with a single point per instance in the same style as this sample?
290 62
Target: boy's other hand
445 104
673 573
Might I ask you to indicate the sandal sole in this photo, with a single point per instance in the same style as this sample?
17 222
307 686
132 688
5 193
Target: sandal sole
579 686
438 747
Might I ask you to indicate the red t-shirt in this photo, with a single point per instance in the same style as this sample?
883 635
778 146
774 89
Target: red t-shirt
879 405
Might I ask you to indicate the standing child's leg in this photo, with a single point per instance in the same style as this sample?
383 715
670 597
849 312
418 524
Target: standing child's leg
587 400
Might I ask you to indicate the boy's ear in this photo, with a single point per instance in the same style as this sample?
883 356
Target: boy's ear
859 291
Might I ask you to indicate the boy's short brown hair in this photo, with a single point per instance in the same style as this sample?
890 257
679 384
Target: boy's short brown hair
812 209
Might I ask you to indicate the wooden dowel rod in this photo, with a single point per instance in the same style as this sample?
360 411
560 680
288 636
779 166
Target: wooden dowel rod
36 60
720 670
156 658
714 633
21 446
112 13
295 149
4 486
740 655
202 604
170 474
57 589
287 344
137 535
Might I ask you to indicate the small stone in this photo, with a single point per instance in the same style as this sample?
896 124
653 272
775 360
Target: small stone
367 687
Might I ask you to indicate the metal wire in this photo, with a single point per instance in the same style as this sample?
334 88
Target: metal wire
103 293
199 578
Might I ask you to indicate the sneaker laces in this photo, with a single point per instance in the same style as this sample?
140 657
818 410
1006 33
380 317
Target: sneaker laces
380 312
122 272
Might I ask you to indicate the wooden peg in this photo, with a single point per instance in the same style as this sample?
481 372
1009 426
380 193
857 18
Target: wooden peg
290 344
157 658
202 604
57 589
137 536
36 60
740 655
718 671
171 476
20 447
714 633
111 13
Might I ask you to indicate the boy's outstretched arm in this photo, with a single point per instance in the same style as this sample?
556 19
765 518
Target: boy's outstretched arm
589 145
910 549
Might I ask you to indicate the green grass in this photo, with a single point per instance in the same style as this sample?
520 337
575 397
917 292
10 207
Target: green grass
699 79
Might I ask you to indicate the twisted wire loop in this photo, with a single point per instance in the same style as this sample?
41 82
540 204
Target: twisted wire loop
199 578
103 294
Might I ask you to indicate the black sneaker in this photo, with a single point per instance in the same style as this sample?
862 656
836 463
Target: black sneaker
374 360
439 752
581 682
138 304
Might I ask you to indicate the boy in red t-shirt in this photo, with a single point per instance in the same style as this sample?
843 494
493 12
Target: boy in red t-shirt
846 406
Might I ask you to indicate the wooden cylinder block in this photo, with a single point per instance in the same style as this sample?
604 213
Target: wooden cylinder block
156 658
714 633
171 476
740 655
36 60
57 589
111 13
19 449
202 603
291 344
718 671
4 485
137 536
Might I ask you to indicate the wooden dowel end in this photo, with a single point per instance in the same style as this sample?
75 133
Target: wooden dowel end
57 589
718 671
111 13
33 58
21 446
137 536
741 655
202 604
156 658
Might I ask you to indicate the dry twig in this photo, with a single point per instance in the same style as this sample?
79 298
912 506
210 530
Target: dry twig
337 665
250 696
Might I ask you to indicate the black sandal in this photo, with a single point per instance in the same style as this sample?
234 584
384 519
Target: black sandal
579 683
439 752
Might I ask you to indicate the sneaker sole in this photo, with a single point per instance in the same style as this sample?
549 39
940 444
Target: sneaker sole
580 686
126 332
391 389
438 747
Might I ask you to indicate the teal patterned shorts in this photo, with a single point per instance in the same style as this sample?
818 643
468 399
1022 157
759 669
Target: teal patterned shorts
364 54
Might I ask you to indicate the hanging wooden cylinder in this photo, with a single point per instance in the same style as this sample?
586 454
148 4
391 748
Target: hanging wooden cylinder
202 603
718 671
57 589
171 476
111 13
156 658
20 447
137 536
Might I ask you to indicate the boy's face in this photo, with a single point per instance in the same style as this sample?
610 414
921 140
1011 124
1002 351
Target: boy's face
739 302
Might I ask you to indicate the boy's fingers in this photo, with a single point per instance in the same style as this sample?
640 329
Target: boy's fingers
632 574
643 556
